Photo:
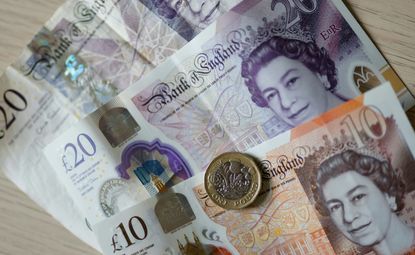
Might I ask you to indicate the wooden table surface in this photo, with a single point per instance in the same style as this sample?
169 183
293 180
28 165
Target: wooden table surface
27 229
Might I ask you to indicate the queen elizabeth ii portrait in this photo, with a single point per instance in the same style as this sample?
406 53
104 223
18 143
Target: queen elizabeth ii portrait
187 17
296 79
363 196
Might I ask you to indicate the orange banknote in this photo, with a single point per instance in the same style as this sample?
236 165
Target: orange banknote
340 184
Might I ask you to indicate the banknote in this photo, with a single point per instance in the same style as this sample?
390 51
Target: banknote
339 184
124 163
92 50
88 52
31 118
164 26
261 69
78 54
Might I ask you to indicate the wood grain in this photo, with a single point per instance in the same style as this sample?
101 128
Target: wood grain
26 229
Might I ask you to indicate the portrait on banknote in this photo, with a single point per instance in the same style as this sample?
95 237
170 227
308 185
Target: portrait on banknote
268 67
363 190
186 17
340 184
291 75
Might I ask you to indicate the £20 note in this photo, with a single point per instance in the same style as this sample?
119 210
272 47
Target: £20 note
85 54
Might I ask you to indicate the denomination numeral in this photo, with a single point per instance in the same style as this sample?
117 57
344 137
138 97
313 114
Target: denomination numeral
87 147
10 97
373 125
134 223
372 122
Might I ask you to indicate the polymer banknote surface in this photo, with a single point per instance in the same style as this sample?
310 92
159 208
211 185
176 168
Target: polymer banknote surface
262 68
340 184
85 54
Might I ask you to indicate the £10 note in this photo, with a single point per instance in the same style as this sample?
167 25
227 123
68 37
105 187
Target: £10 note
340 184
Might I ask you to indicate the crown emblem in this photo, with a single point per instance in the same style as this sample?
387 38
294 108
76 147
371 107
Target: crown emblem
251 38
